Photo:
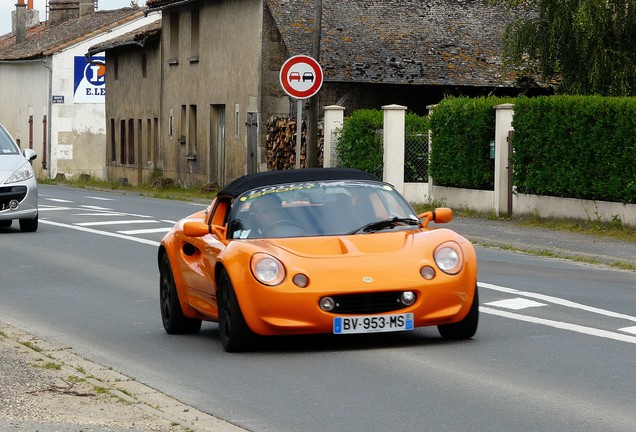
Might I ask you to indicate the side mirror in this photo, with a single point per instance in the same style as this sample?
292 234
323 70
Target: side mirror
196 229
200 229
439 215
30 154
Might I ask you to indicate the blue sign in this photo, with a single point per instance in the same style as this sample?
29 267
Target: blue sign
90 80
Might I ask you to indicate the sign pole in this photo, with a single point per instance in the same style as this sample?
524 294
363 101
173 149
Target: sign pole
299 129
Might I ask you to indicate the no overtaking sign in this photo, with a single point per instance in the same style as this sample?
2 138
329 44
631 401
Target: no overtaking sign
301 77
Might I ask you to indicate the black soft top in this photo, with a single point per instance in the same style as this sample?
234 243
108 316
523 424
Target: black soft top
252 181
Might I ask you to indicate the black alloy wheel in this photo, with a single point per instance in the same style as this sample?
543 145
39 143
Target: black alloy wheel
174 322
235 334
466 328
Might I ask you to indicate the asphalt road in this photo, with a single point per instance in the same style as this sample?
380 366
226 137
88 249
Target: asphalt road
555 349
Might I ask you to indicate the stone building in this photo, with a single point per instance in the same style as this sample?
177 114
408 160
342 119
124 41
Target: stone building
218 62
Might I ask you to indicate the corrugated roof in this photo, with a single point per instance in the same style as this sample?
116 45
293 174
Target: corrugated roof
43 40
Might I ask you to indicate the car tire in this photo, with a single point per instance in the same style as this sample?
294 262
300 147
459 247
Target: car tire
235 334
5 223
29 225
174 321
466 328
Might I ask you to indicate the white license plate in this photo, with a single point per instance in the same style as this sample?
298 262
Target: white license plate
372 323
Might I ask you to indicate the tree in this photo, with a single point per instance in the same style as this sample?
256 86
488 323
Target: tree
589 44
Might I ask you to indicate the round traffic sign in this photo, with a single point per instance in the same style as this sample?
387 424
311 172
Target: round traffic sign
301 77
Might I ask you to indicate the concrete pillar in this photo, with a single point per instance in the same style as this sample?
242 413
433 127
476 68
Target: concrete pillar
503 125
394 125
334 118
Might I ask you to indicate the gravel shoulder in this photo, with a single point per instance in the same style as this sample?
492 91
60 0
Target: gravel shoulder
46 388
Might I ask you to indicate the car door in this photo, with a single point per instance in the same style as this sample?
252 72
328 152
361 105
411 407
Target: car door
202 255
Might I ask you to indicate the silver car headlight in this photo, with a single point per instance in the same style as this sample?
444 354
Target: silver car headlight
267 269
23 173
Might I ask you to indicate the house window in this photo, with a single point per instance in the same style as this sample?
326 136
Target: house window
194 36
155 137
237 113
171 124
192 131
122 142
174 39
140 131
113 141
131 142
150 157
183 124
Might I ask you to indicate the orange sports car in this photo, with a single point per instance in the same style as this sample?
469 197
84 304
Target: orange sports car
323 250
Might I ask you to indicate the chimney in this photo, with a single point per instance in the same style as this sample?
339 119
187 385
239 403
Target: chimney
20 21
87 7
62 10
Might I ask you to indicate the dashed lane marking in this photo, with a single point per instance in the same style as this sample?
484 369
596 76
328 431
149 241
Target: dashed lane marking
146 231
116 222
516 303
591 331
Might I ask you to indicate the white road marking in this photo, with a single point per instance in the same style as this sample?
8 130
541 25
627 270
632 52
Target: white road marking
146 231
41 208
516 303
558 301
96 207
58 200
104 233
117 222
631 329
101 198
101 214
560 325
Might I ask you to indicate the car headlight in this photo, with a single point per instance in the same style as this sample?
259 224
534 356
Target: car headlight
267 269
23 173
449 258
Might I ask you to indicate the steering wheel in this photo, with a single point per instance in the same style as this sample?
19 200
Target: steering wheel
282 223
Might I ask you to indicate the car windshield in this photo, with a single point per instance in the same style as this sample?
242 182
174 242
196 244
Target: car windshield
7 147
320 209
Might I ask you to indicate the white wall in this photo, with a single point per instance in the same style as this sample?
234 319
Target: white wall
78 130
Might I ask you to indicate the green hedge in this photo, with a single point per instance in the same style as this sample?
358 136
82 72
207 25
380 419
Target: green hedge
576 146
360 141
462 129
565 146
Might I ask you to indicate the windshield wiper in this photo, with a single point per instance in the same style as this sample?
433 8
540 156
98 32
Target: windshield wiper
386 223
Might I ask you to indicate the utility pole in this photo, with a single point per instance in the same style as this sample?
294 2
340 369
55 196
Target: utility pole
314 102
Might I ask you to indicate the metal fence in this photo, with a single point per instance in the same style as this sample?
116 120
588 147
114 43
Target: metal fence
415 155
416 158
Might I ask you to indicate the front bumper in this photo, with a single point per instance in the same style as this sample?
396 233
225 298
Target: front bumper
19 201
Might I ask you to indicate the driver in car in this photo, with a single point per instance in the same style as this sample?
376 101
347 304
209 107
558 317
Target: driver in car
265 210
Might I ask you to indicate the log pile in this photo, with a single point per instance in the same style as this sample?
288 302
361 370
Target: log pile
281 143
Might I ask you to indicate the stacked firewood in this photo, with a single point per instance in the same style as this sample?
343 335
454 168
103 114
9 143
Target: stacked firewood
281 143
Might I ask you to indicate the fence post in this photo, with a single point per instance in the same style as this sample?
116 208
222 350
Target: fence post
503 125
334 117
393 137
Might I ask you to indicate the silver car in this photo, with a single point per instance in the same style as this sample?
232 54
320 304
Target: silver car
18 188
